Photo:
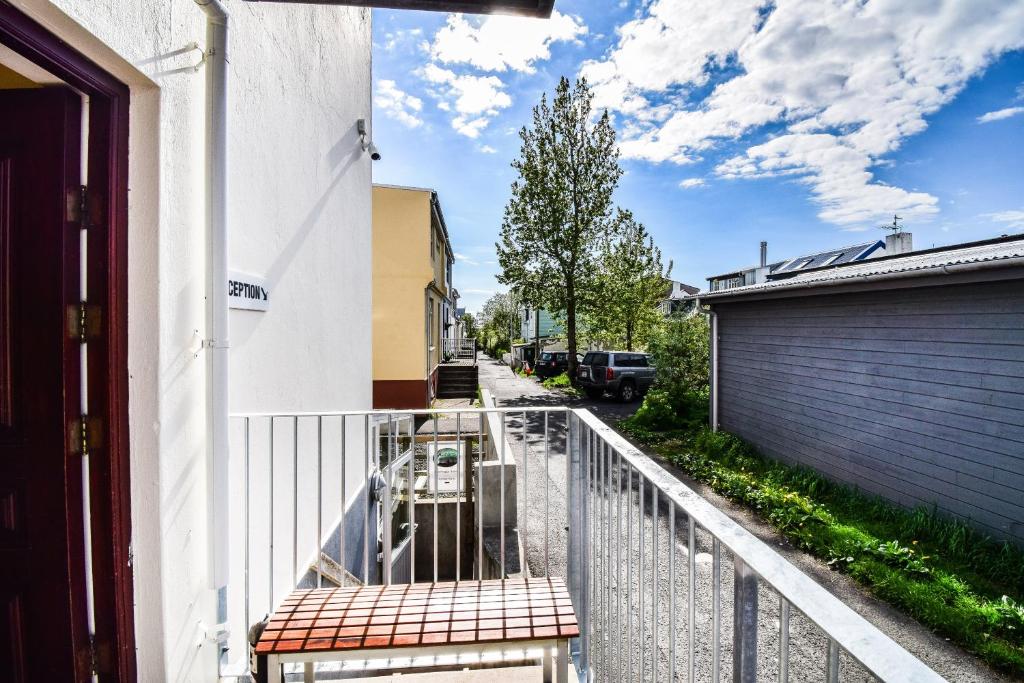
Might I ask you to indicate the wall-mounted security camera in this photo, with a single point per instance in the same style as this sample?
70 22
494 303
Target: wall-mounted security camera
365 141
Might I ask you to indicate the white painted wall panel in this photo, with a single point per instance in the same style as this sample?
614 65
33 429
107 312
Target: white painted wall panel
299 215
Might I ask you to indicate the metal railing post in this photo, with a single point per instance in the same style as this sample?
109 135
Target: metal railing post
744 629
576 533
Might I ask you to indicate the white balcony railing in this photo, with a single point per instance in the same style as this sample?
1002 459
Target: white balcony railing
458 350
664 584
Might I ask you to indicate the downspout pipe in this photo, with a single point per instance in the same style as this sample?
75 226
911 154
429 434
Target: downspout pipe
713 369
216 341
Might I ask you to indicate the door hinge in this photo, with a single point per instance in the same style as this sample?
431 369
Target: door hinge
85 321
98 656
86 434
84 207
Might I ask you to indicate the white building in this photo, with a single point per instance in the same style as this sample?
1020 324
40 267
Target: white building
141 109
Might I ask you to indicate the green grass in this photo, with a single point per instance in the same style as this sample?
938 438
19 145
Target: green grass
562 383
949 577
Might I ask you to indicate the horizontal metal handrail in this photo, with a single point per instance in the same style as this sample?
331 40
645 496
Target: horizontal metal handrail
403 412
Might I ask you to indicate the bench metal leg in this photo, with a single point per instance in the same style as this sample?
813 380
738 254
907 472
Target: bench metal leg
307 672
562 663
548 655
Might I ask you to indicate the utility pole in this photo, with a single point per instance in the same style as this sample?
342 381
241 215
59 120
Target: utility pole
536 337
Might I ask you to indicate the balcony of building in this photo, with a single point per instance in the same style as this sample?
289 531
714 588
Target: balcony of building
664 585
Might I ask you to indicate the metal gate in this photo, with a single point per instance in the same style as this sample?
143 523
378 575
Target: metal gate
396 517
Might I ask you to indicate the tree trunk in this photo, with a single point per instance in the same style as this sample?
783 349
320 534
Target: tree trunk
629 335
570 328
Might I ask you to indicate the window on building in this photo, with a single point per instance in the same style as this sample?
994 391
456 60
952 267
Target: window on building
430 322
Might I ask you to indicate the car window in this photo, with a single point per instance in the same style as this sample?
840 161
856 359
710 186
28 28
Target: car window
596 359
561 356
641 361
546 356
624 360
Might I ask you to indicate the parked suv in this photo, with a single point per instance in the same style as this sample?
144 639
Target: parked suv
554 363
624 374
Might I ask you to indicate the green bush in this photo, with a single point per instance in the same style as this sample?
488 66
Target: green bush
561 381
679 353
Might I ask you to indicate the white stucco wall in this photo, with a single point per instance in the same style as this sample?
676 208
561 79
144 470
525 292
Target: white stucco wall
299 213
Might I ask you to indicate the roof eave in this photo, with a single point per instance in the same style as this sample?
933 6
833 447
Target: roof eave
528 8
756 292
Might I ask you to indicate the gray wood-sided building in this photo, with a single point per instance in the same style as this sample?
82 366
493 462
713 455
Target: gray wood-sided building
902 375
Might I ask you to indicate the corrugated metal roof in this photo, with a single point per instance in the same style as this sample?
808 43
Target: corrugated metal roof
991 253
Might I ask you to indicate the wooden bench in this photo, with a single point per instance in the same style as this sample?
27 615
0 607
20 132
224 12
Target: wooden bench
421 620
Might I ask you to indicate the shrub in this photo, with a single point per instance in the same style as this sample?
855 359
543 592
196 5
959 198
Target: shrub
561 381
679 353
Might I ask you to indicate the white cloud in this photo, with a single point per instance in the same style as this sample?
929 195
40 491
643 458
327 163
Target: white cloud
487 149
393 39
1013 218
690 183
500 43
475 100
398 105
465 259
841 84
1000 114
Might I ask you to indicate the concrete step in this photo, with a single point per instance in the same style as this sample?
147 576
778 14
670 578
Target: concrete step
461 386
456 392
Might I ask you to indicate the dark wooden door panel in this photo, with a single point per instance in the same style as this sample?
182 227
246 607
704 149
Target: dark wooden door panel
6 407
42 567
12 638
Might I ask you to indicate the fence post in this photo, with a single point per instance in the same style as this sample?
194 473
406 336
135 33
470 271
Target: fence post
576 562
744 623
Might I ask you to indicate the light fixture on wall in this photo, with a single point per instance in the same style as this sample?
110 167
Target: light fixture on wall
365 141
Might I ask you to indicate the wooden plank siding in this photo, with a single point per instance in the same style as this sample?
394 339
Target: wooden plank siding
916 395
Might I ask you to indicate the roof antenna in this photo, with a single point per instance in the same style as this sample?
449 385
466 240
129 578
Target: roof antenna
896 226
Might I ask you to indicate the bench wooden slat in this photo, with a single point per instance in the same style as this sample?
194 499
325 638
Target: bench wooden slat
409 615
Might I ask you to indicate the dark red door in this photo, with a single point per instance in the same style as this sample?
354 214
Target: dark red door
43 624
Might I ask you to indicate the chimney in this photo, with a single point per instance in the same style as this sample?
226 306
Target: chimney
899 243
764 254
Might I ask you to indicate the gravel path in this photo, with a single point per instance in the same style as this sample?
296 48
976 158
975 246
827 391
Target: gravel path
626 645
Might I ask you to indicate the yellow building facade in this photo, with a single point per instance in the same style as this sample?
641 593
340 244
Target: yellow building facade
413 302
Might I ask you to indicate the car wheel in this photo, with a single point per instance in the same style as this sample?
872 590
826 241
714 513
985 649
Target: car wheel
594 393
627 392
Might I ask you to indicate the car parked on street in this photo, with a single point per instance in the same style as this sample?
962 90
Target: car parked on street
554 363
626 375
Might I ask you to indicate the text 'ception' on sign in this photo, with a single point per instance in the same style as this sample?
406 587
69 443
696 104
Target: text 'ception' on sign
247 292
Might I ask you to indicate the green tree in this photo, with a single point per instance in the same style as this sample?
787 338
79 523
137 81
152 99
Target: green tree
468 325
497 321
631 284
680 354
560 209
679 397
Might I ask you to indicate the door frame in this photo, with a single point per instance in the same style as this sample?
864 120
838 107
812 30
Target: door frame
107 276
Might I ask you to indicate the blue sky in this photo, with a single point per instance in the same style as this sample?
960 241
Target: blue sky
800 122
